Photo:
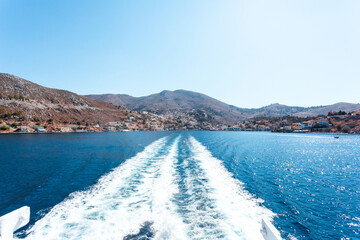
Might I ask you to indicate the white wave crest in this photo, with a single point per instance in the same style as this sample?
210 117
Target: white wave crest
240 212
136 192
191 196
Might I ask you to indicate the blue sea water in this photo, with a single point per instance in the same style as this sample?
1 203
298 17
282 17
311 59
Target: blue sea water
182 185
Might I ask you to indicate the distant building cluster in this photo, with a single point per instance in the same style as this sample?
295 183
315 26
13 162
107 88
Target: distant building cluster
192 120
336 122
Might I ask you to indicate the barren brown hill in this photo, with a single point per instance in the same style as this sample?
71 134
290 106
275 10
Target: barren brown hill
176 101
185 101
32 101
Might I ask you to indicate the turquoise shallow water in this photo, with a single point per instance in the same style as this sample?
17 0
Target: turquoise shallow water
182 185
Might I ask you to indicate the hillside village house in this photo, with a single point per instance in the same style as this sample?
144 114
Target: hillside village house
24 129
40 130
65 129
322 124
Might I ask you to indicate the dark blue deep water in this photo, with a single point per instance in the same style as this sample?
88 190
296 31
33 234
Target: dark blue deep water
309 184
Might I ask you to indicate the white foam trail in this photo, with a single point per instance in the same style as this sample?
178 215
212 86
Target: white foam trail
239 212
140 190
211 204
167 221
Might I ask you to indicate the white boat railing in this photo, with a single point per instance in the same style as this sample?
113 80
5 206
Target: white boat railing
269 231
18 218
12 221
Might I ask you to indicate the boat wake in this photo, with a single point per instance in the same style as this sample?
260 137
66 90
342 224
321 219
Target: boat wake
174 189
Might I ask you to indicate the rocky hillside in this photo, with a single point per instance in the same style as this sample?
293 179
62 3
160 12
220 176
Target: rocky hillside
168 102
324 110
31 101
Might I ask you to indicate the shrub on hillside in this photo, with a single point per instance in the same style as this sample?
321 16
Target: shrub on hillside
346 129
4 128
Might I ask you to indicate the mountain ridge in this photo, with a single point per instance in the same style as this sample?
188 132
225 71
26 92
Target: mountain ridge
183 100
34 101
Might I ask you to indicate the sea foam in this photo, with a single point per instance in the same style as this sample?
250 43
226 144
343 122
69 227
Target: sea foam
240 213
163 192
136 193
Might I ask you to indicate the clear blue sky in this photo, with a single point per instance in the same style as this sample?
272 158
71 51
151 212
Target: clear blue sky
246 53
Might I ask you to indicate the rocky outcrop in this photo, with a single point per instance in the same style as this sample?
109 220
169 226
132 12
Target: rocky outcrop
32 101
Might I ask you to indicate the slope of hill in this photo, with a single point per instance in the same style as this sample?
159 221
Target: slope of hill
167 102
185 101
33 101
116 99
324 110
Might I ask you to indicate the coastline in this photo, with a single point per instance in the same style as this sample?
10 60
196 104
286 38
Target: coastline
174 130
